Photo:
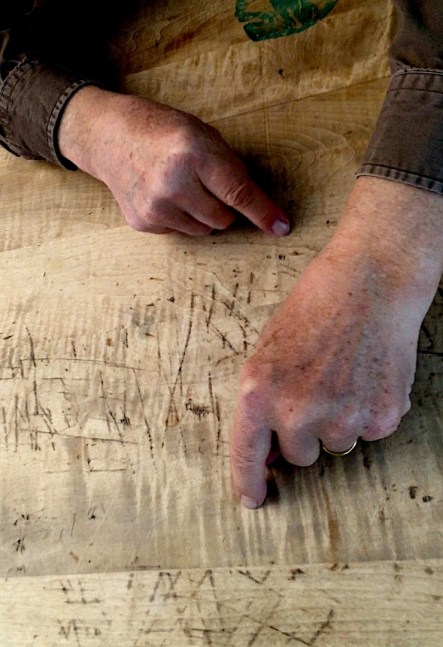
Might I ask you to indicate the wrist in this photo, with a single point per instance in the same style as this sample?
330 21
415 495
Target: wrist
80 127
398 228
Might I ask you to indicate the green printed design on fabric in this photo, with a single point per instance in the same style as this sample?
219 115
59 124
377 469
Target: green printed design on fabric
285 17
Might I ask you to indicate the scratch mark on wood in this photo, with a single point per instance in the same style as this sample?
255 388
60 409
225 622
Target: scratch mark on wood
231 305
46 416
145 420
16 434
165 577
251 280
290 635
185 347
31 345
323 627
211 307
6 429
172 408
199 410
225 340
94 439
247 574
216 411
105 403
19 545
36 412
73 523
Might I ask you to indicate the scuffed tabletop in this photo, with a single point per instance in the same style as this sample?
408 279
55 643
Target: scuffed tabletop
119 360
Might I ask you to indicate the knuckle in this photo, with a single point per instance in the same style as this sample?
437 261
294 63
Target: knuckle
166 185
239 195
336 437
251 384
184 142
148 223
382 424
219 146
215 135
180 149
346 425
135 223
152 218
144 228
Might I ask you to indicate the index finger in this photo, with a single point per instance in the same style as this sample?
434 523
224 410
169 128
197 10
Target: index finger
250 447
228 179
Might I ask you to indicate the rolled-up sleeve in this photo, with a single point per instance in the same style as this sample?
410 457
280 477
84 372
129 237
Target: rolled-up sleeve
34 87
32 99
407 143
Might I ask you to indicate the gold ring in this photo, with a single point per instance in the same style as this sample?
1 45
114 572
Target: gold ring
348 451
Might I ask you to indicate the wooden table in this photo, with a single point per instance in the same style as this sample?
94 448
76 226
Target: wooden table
119 359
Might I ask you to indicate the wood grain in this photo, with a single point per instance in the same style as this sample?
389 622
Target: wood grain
382 604
119 365
119 359
221 73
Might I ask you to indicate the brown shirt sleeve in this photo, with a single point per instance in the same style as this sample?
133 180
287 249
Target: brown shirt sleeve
38 76
407 144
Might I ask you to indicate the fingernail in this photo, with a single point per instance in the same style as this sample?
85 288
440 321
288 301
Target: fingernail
280 228
249 503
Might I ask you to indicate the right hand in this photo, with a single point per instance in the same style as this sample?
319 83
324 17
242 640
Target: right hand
167 170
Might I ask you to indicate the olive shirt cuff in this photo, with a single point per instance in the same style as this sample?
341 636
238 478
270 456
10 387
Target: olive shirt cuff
407 143
32 99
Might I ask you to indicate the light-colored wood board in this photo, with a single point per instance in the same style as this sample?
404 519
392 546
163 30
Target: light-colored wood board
306 152
303 152
120 352
382 604
119 369
40 202
119 361
151 34
215 77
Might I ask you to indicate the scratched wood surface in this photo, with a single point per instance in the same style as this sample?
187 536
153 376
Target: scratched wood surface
119 352
383 604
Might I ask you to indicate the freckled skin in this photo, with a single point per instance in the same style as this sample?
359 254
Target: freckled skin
337 360
167 170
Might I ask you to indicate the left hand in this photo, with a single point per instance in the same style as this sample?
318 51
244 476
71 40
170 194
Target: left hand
337 360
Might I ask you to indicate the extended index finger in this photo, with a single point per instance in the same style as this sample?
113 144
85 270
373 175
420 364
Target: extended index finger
250 447
228 179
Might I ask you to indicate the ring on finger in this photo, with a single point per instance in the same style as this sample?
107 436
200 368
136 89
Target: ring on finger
347 451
